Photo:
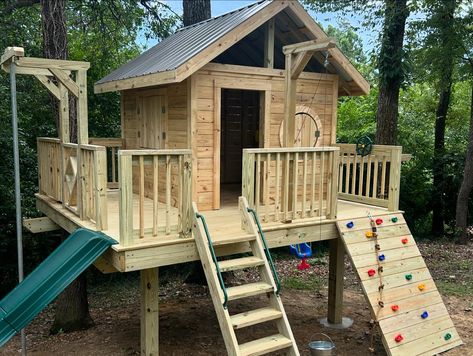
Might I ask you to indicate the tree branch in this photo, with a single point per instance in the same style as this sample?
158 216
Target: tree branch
18 4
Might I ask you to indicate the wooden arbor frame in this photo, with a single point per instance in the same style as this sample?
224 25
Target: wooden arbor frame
55 75
297 57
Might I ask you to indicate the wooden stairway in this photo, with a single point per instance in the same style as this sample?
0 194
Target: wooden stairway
282 340
403 298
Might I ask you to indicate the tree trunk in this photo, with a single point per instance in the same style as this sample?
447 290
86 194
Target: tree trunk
461 218
72 308
53 22
195 11
390 64
446 10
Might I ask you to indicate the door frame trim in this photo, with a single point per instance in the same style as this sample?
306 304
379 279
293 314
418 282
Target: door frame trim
265 103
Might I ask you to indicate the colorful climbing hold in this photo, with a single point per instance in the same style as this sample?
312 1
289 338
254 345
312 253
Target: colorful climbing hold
381 257
405 241
408 276
398 338
395 307
421 287
394 219
447 336
369 234
424 315
350 224
371 272
379 221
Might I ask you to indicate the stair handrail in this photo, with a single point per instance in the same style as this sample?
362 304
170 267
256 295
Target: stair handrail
266 250
214 258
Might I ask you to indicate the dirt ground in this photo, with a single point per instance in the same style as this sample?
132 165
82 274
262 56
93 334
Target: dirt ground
188 325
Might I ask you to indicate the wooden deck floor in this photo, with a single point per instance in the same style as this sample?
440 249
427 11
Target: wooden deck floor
224 222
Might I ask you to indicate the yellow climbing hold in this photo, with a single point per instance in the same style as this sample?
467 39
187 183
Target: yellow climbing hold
421 287
370 234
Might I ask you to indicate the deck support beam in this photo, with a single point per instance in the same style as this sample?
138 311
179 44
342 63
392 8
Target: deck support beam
149 282
335 283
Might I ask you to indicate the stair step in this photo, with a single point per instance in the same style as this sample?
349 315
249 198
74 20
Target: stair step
253 317
248 290
233 239
265 345
240 263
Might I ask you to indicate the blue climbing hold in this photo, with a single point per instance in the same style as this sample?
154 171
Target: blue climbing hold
424 315
350 224
381 257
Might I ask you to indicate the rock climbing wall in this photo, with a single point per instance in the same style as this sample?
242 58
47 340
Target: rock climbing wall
404 300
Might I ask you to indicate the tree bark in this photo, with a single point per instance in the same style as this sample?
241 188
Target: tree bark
461 218
195 11
446 12
72 308
54 28
390 64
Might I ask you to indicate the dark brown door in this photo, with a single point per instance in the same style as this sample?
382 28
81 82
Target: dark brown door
240 115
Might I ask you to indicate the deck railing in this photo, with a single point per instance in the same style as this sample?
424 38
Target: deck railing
284 184
112 145
76 176
373 179
157 184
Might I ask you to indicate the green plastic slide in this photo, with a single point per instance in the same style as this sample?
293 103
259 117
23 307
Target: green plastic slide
51 277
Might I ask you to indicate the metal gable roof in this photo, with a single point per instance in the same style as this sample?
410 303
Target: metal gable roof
181 46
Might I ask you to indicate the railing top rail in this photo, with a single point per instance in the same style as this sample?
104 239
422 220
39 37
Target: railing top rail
150 152
291 149
352 146
106 141
92 147
48 139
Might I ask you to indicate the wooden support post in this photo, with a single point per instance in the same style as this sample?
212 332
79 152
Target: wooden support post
335 283
394 178
185 215
269 44
125 202
149 281
290 87
82 112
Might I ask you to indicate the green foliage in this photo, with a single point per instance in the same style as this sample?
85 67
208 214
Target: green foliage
105 33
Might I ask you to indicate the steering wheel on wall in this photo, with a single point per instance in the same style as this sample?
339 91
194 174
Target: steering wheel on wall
364 146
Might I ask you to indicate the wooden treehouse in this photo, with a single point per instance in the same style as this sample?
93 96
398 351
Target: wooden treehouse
241 105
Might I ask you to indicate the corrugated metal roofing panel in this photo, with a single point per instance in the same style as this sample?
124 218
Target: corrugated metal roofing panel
181 46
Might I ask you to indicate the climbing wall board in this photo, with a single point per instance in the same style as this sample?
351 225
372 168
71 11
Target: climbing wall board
412 317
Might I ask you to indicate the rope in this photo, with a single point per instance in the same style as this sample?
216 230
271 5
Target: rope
381 284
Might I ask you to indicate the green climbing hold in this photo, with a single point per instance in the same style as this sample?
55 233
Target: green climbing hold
447 336
394 219
408 277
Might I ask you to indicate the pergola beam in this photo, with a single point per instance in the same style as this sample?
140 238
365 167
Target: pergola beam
313 45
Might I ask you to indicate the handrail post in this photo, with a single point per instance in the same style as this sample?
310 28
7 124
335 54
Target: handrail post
100 189
125 185
185 214
248 178
394 178
333 198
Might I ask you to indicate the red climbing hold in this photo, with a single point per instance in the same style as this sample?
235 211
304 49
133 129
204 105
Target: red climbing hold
379 221
404 241
371 272
395 307
398 338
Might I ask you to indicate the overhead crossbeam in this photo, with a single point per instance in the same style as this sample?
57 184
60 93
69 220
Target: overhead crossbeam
297 57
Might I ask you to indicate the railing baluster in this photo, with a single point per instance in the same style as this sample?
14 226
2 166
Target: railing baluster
267 186
362 172
321 182
374 191
142 196
258 183
368 177
304 187
295 185
353 177
277 203
383 179
155 194
168 194
286 186
312 187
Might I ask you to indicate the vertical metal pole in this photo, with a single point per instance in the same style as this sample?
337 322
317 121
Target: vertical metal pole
16 160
